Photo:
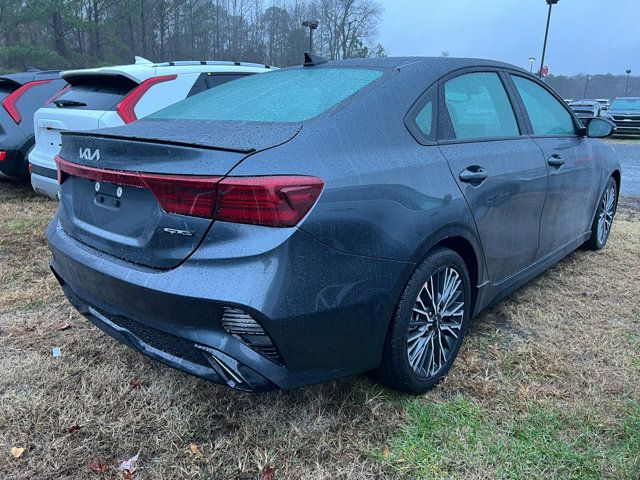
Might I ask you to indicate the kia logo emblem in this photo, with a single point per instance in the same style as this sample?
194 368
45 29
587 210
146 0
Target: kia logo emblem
86 154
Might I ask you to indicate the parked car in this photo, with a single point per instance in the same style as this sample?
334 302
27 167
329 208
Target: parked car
114 96
586 110
21 95
604 104
355 218
625 113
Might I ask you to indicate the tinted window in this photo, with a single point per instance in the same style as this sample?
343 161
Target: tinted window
209 80
424 119
213 80
547 115
479 107
281 96
95 92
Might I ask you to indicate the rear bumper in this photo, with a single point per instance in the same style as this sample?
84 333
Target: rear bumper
14 164
326 312
16 143
45 181
44 176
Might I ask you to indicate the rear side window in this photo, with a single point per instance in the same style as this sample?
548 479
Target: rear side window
292 95
210 80
214 80
479 107
424 119
95 92
547 115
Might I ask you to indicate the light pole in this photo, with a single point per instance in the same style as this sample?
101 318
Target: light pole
551 3
312 24
626 90
586 85
532 60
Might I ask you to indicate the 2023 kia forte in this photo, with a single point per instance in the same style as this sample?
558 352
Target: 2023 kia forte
327 219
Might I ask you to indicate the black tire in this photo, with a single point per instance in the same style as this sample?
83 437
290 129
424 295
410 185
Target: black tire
597 241
396 370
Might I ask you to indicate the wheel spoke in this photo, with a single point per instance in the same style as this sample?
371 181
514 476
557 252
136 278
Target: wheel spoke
454 311
420 345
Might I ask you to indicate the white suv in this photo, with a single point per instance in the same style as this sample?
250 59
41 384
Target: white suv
112 96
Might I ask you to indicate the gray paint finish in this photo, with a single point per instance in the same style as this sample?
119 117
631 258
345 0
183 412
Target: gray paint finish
325 290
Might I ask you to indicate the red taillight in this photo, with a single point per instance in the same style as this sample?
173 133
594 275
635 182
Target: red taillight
10 103
58 95
3 156
186 195
277 201
126 107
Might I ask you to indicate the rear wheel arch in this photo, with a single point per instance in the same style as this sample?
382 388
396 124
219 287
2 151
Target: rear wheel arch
462 240
466 250
618 178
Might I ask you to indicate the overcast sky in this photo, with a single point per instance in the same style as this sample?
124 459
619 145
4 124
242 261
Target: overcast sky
590 36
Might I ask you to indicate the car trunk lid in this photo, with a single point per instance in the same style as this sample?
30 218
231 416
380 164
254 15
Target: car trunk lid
117 198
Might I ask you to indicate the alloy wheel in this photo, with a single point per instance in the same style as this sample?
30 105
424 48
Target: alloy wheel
607 210
435 328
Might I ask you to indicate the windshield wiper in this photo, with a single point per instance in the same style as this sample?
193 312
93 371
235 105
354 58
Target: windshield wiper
69 103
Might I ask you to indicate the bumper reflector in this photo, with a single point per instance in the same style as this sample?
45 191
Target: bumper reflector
242 326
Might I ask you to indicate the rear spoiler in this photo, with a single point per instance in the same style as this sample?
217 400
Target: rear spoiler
10 83
159 141
99 78
78 76
16 80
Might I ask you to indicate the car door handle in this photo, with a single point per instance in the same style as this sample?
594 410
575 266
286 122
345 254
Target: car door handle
473 175
555 160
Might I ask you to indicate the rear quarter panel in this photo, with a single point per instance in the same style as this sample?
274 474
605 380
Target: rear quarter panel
385 195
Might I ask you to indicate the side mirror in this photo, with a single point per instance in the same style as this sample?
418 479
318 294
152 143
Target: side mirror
600 128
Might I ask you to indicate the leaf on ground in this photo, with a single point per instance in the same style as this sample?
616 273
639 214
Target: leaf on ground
129 466
99 466
17 452
74 428
193 448
386 453
495 347
62 326
267 473
136 383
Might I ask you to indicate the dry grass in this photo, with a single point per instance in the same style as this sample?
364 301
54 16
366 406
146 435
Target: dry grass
559 357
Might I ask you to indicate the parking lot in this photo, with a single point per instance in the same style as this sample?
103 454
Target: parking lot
557 396
629 150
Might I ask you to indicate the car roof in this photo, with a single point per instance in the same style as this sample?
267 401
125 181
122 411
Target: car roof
144 69
450 63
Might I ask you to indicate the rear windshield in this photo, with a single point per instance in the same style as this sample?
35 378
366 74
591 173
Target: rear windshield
95 93
282 96
6 88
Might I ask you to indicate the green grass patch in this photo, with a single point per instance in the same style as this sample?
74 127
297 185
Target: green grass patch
460 438
24 225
